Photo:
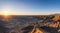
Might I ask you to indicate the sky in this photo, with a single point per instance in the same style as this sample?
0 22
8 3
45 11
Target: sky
29 7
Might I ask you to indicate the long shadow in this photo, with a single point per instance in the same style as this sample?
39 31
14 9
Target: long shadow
27 29
49 29
44 28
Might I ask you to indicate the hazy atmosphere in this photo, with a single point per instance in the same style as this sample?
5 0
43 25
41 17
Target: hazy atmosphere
29 7
29 16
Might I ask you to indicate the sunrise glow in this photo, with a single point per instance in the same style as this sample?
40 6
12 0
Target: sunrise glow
5 13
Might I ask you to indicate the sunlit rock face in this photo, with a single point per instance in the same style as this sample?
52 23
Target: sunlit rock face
57 17
59 30
36 29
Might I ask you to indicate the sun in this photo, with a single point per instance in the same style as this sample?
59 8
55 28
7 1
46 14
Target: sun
6 13
6 9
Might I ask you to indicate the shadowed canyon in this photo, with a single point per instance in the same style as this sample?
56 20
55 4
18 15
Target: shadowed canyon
30 24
